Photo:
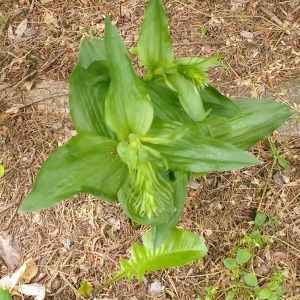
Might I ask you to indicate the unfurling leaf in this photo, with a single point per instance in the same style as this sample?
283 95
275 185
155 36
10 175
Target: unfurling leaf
128 107
86 164
154 44
181 247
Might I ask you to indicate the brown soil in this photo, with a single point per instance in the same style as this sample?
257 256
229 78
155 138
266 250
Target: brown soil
80 239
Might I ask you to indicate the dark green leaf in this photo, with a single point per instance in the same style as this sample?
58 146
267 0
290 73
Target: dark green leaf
250 279
154 44
87 102
230 263
181 248
166 103
161 232
86 164
128 107
188 95
91 49
196 153
220 105
242 256
256 121
282 162
4 294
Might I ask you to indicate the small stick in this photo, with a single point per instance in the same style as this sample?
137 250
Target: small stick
272 16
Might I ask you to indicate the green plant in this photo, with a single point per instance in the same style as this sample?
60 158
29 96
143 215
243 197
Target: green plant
245 283
140 139
4 294
2 171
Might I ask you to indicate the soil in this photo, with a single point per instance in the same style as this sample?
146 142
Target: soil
84 238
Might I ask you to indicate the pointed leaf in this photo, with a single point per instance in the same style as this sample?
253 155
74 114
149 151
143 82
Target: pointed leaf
256 121
86 164
154 44
197 153
91 49
220 105
166 103
182 247
87 101
161 232
188 95
128 107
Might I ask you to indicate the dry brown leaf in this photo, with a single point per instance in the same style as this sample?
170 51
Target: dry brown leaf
50 19
9 250
13 110
27 86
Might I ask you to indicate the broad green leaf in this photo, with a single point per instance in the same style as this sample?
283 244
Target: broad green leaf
242 256
161 232
86 164
256 121
164 131
154 44
85 289
197 153
1 171
128 107
91 49
87 103
250 279
181 248
260 218
188 95
230 263
166 103
147 197
4 294
220 105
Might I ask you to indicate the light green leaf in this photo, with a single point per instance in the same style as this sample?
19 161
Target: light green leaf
230 295
256 121
260 218
86 164
220 105
264 294
188 95
242 256
163 131
87 102
128 107
154 44
1 171
181 248
195 68
91 49
161 232
250 279
230 263
197 153
166 103
4 294
85 289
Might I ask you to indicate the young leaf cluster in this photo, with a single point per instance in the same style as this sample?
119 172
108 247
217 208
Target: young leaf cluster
243 282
